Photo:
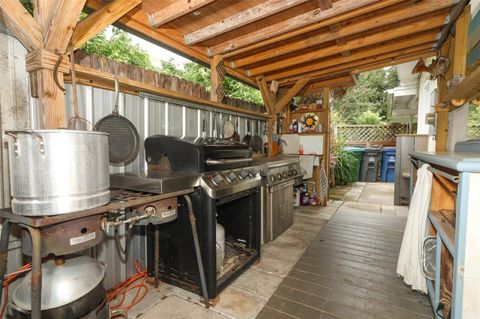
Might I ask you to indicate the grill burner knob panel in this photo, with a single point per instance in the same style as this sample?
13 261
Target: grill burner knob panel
285 175
217 179
279 176
252 172
295 172
243 174
231 177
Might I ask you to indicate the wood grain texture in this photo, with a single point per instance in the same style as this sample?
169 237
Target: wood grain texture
258 12
390 18
174 11
377 38
340 7
100 19
21 23
291 93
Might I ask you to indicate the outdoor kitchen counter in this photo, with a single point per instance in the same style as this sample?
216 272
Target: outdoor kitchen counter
155 182
458 161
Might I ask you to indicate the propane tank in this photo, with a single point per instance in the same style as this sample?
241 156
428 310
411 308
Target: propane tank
220 241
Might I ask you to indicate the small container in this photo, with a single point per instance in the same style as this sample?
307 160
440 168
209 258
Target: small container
296 197
295 126
300 149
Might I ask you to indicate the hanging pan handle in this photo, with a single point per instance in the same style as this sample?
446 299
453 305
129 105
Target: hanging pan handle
14 134
117 94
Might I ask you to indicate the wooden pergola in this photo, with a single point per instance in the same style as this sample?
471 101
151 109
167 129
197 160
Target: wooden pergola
284 47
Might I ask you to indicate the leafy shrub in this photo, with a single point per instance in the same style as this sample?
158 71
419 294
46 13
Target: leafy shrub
344 163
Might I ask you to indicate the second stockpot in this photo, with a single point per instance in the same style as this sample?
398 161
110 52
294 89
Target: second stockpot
55 172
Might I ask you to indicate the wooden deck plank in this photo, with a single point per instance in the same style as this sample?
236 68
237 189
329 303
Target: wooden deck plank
349 271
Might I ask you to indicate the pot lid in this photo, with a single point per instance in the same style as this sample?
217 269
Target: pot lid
61 283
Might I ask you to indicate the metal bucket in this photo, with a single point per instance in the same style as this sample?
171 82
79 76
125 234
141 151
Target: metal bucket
56 172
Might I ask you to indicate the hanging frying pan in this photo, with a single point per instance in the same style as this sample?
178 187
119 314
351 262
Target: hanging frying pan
236 136
256 143
123 139
248 137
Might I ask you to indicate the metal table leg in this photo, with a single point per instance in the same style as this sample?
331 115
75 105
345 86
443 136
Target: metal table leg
157 254
36 272
4 253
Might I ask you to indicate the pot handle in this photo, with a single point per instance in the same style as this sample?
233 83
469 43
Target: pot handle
14 134
119 312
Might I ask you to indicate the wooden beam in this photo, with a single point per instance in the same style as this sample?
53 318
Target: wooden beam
390 18
325 4
21 23
388 35
100 19
460 42
42 10
452 18
345 80
326 136
291 93
215 79
342 10
441 125
250 15
61 24
367 53
267 97
174 11
390 58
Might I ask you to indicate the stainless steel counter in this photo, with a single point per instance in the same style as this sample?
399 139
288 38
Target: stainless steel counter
156 182
459 161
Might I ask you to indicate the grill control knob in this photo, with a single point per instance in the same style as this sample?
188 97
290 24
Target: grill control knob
279 176
252 172
285 174
243 174
217 179
295 172
273 179
231 176
290 173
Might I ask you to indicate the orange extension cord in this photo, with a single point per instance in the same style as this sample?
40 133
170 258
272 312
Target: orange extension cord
6 284
121 290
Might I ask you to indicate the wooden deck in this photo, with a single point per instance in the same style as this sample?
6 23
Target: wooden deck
349 272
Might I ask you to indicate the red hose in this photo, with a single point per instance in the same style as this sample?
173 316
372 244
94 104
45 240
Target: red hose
6 284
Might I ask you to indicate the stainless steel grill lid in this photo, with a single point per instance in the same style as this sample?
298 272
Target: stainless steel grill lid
123 139
61 284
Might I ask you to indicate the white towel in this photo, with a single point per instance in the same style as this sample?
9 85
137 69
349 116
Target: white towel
409 260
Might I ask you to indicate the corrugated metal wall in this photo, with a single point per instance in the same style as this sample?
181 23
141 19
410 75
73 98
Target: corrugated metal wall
151 115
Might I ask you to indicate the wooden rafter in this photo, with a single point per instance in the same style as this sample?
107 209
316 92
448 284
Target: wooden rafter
325 4
290 94
344 81
390 18
61 24
394 61
174 11
342 10
405 45
258 12
100 19
21 23
413 28
382 60
267 96
454 15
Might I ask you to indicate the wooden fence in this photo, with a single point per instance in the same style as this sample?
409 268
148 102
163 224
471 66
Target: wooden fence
473 131
160 80
370 134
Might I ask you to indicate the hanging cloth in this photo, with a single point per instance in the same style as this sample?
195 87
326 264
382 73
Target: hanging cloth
409 260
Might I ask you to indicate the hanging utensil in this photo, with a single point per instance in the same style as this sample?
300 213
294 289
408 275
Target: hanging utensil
228 129
76 122
248 137
215 132
236 136
123 139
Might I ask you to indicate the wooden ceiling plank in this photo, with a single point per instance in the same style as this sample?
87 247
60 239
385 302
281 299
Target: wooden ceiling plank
291 93
353 65
100 19
391 18
454 15
344 81
325 4
405 45
373 39
42 10
341 11
21 23
61 24
175 11
258 12
394 61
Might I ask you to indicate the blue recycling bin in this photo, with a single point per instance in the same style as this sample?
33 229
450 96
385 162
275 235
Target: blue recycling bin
388 164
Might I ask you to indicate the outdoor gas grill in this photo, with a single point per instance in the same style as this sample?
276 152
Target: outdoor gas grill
229 194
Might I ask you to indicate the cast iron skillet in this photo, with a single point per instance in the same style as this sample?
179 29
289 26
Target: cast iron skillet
247 138
123 139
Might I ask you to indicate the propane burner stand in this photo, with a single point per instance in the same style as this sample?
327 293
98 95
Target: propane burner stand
38 228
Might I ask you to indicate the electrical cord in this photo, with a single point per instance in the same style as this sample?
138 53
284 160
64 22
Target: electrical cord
6 284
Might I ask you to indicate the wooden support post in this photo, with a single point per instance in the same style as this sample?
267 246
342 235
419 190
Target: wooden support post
326 136
215 79
291 93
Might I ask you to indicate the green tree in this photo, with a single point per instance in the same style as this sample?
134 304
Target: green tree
368 95
369 118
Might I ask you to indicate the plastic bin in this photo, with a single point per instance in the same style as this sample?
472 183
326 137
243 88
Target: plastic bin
388 164
358 153
370 164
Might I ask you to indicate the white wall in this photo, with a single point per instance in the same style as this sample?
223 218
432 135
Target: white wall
425 90
457 126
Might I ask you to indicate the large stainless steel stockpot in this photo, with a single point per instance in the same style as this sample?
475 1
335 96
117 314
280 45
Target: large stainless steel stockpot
56 172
